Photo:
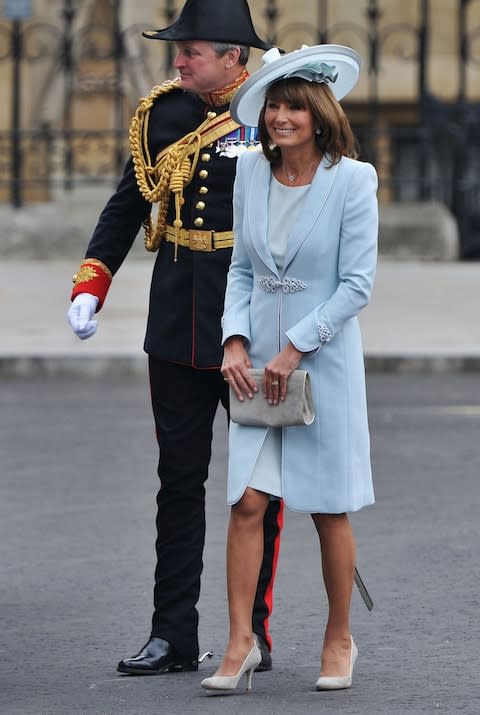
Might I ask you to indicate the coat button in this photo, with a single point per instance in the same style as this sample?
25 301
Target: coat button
203 174
200 205
203 190
206 157
198 222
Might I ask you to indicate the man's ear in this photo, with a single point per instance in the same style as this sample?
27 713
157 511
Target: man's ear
232 57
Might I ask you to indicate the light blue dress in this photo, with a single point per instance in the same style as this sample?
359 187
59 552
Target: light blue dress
284 206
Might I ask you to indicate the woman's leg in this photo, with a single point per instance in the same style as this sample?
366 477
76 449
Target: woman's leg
338 565
244 558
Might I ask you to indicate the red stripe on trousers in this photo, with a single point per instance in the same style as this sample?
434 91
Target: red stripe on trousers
269 591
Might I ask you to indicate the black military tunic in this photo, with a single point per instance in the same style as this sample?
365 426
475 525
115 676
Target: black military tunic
186 297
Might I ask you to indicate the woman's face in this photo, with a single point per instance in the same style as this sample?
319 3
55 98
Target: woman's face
289 125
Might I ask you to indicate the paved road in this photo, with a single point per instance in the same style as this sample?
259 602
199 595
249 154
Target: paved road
76 545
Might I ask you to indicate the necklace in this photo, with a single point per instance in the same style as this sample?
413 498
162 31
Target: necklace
304 174
291 177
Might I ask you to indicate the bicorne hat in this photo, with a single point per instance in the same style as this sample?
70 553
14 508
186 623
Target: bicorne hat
334 65
215 21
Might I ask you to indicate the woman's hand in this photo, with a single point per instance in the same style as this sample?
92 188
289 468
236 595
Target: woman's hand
235 368
277 372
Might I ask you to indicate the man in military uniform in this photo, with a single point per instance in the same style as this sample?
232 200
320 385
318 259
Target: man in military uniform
183 156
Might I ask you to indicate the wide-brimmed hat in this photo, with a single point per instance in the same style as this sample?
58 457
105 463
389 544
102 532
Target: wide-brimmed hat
334 65
215 21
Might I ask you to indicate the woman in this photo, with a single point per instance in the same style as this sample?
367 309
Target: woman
302 268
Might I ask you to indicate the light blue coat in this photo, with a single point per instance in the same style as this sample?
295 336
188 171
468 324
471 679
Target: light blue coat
313 301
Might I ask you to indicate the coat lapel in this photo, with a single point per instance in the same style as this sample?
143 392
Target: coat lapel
258 212
314 203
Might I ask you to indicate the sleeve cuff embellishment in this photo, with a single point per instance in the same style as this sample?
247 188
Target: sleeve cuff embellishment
325 333
89 271
85 274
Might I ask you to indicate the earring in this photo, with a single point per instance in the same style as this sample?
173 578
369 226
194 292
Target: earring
318 132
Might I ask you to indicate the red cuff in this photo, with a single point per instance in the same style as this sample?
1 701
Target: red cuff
93 277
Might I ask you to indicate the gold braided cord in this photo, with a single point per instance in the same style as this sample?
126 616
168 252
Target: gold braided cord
170 174
174 167
151 189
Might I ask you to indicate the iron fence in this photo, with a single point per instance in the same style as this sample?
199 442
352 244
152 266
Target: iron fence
435 156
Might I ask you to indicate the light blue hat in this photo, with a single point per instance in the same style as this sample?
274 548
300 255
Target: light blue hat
335 65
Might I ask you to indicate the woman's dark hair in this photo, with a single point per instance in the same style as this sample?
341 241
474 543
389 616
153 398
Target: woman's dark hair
336 138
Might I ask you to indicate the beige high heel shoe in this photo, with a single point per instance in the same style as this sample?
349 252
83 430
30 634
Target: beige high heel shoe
230 682
338 682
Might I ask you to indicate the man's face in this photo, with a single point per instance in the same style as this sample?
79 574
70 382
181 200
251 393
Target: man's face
200 69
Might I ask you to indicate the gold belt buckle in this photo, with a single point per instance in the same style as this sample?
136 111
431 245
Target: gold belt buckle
200 240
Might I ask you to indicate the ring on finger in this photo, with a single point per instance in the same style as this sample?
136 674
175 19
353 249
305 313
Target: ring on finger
275 382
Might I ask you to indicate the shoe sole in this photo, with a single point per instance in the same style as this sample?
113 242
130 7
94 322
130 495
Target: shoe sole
171 668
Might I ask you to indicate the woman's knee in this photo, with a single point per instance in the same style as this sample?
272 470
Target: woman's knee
251 507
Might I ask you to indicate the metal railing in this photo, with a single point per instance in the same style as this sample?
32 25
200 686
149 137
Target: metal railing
434 157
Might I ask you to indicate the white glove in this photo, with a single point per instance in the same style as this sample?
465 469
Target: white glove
81 313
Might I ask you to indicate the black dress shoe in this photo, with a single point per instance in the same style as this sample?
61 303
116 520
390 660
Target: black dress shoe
266 662
156 657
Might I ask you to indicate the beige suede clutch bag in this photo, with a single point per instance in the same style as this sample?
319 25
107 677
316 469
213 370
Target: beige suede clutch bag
296 409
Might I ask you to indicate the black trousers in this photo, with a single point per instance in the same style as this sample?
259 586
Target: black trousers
184 402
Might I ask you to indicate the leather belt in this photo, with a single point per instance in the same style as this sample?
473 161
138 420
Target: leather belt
197 240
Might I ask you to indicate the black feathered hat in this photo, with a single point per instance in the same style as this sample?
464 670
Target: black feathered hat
215 21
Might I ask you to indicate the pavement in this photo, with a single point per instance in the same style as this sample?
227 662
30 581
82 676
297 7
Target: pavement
77 515
77 511
423 316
